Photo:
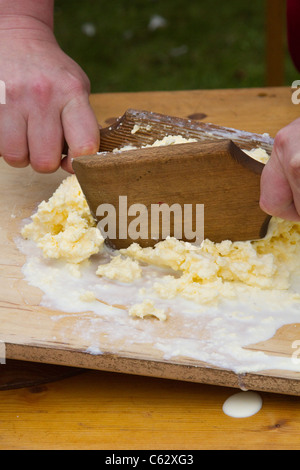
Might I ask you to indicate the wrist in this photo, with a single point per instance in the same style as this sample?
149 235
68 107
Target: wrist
22 28
22 13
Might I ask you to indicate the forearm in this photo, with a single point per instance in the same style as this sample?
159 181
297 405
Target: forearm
17 12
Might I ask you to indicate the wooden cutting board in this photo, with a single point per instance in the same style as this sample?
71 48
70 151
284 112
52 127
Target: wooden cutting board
39 334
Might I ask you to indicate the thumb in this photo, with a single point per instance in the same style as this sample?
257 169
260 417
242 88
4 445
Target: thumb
276 196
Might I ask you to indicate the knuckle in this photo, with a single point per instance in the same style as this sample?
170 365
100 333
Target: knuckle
41 89
295 167
14 89
280 140
85 148
76 86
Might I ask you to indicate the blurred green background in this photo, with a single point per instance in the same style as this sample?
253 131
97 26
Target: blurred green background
146 45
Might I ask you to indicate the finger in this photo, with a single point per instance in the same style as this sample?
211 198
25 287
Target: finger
294 179
81 130
13 138
278 204
277 198
45 140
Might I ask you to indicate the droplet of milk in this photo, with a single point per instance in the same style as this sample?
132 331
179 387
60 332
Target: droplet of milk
242 404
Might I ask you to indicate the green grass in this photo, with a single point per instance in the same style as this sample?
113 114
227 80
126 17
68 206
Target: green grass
222 43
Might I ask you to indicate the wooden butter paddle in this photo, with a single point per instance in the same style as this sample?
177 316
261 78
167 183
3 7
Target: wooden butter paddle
124 188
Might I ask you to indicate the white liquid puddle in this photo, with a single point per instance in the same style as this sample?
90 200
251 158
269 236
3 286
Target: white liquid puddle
243 405
217 335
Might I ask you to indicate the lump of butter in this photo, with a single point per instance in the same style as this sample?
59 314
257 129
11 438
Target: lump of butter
188 288
169 253
240 262
88 296
282 241
147 308
227 261
63 227
258 154
218 270
120 269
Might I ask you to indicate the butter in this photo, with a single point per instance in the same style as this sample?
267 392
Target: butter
166 140
63 227
120 269
147 308
218 270
258 154
88 296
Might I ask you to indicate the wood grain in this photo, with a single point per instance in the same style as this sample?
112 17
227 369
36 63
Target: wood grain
139 128
21 374
107 411
256 110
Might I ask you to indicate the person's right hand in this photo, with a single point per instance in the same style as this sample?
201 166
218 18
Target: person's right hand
280 181
47 100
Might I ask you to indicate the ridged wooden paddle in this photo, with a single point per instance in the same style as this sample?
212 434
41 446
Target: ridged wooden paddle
215 175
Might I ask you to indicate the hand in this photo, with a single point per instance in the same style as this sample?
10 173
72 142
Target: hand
280 181
47 100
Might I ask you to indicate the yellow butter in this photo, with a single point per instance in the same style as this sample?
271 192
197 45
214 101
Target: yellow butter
63 226
120 269
147 308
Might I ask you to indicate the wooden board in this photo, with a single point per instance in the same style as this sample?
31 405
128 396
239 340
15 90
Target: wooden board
34 333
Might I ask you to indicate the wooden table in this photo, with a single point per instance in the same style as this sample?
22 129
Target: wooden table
78 409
